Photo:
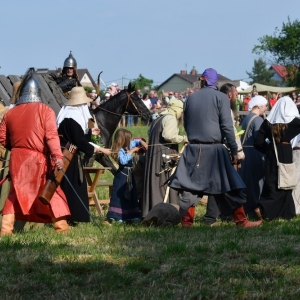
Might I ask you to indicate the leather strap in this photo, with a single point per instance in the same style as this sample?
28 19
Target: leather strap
247 129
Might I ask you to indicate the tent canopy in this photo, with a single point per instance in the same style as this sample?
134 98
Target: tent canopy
260 88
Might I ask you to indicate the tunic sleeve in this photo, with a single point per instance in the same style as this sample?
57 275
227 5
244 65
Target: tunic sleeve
260 142
124 157
256 126
241 153
170 130
51 134
226 124
135 143
3 133
73 133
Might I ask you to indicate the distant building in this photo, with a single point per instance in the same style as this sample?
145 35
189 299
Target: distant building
280 73
179 82
84 75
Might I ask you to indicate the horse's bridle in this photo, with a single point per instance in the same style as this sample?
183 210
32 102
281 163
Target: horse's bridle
128 100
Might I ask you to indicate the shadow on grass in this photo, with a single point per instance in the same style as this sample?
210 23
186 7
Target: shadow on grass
134 262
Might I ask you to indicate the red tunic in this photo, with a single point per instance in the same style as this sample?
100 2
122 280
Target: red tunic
272 102
30 130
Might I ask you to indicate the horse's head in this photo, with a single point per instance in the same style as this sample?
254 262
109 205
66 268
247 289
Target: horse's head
135 105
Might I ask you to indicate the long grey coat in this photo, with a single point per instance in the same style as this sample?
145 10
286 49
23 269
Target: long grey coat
206 168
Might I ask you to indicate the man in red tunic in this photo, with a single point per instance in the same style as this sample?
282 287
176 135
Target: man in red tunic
273 100
29 131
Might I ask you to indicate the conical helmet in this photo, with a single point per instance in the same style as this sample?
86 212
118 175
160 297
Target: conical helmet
30 92
70 61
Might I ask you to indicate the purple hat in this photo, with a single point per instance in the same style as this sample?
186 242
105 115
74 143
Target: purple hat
211 76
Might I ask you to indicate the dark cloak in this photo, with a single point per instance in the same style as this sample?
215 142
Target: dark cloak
70 131
154 192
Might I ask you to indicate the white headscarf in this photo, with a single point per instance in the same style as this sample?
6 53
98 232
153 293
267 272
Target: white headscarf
257 101
283 112
79 113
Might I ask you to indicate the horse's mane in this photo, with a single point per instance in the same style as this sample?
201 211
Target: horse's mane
113 102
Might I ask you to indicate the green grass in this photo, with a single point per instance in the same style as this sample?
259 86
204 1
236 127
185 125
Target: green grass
135 262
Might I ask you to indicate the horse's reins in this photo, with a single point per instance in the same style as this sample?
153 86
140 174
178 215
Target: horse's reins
128 100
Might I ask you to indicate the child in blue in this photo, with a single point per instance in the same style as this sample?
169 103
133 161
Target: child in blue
124 202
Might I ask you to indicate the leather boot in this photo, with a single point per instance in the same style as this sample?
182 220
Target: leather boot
7 225
60 225
188 219
258 213
240 219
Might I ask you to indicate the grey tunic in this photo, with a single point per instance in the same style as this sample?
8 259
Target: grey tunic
205 167
253 167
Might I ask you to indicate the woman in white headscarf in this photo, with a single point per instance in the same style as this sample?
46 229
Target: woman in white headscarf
253 166
284 123
72 122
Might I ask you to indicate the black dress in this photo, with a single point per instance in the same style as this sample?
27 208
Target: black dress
276 203
70 131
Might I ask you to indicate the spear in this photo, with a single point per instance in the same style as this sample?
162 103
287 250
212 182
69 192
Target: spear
98 84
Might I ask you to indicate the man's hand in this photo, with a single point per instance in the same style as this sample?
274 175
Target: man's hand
234 159
59 163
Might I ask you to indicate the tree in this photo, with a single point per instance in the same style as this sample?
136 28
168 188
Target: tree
284 49
261 74
141 82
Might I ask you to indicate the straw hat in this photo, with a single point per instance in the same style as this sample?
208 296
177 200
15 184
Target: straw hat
78 96
14 97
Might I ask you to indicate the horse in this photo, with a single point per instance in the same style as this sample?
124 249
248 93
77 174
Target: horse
109 114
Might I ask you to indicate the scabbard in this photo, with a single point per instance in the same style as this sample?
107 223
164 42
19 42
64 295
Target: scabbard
57 175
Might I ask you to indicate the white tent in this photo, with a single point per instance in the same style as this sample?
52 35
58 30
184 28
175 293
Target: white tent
260 88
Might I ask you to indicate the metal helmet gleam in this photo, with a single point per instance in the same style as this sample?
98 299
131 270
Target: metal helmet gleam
31 92
70 61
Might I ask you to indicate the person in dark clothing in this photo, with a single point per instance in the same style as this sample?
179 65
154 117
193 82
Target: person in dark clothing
72 122
283 123
205 166
68 77
164 137
212 211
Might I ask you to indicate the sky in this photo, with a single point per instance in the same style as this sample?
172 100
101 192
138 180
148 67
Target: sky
125 38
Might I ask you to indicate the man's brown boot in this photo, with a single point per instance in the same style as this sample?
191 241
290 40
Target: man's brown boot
7 225
240 219
60 225
188 219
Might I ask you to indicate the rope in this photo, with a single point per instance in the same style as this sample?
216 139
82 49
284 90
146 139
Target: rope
81 200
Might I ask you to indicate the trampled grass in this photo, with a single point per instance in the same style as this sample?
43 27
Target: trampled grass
135 262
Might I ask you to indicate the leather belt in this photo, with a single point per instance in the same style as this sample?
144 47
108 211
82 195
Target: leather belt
205 143
296 148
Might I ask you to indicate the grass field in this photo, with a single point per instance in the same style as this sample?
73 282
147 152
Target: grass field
134 262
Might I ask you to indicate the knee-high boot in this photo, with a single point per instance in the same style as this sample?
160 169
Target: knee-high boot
60 225
240 219
7 225
188 219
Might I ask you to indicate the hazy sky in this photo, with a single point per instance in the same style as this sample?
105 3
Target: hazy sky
125 38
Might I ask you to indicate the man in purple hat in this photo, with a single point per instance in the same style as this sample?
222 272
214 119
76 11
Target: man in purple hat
205 166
